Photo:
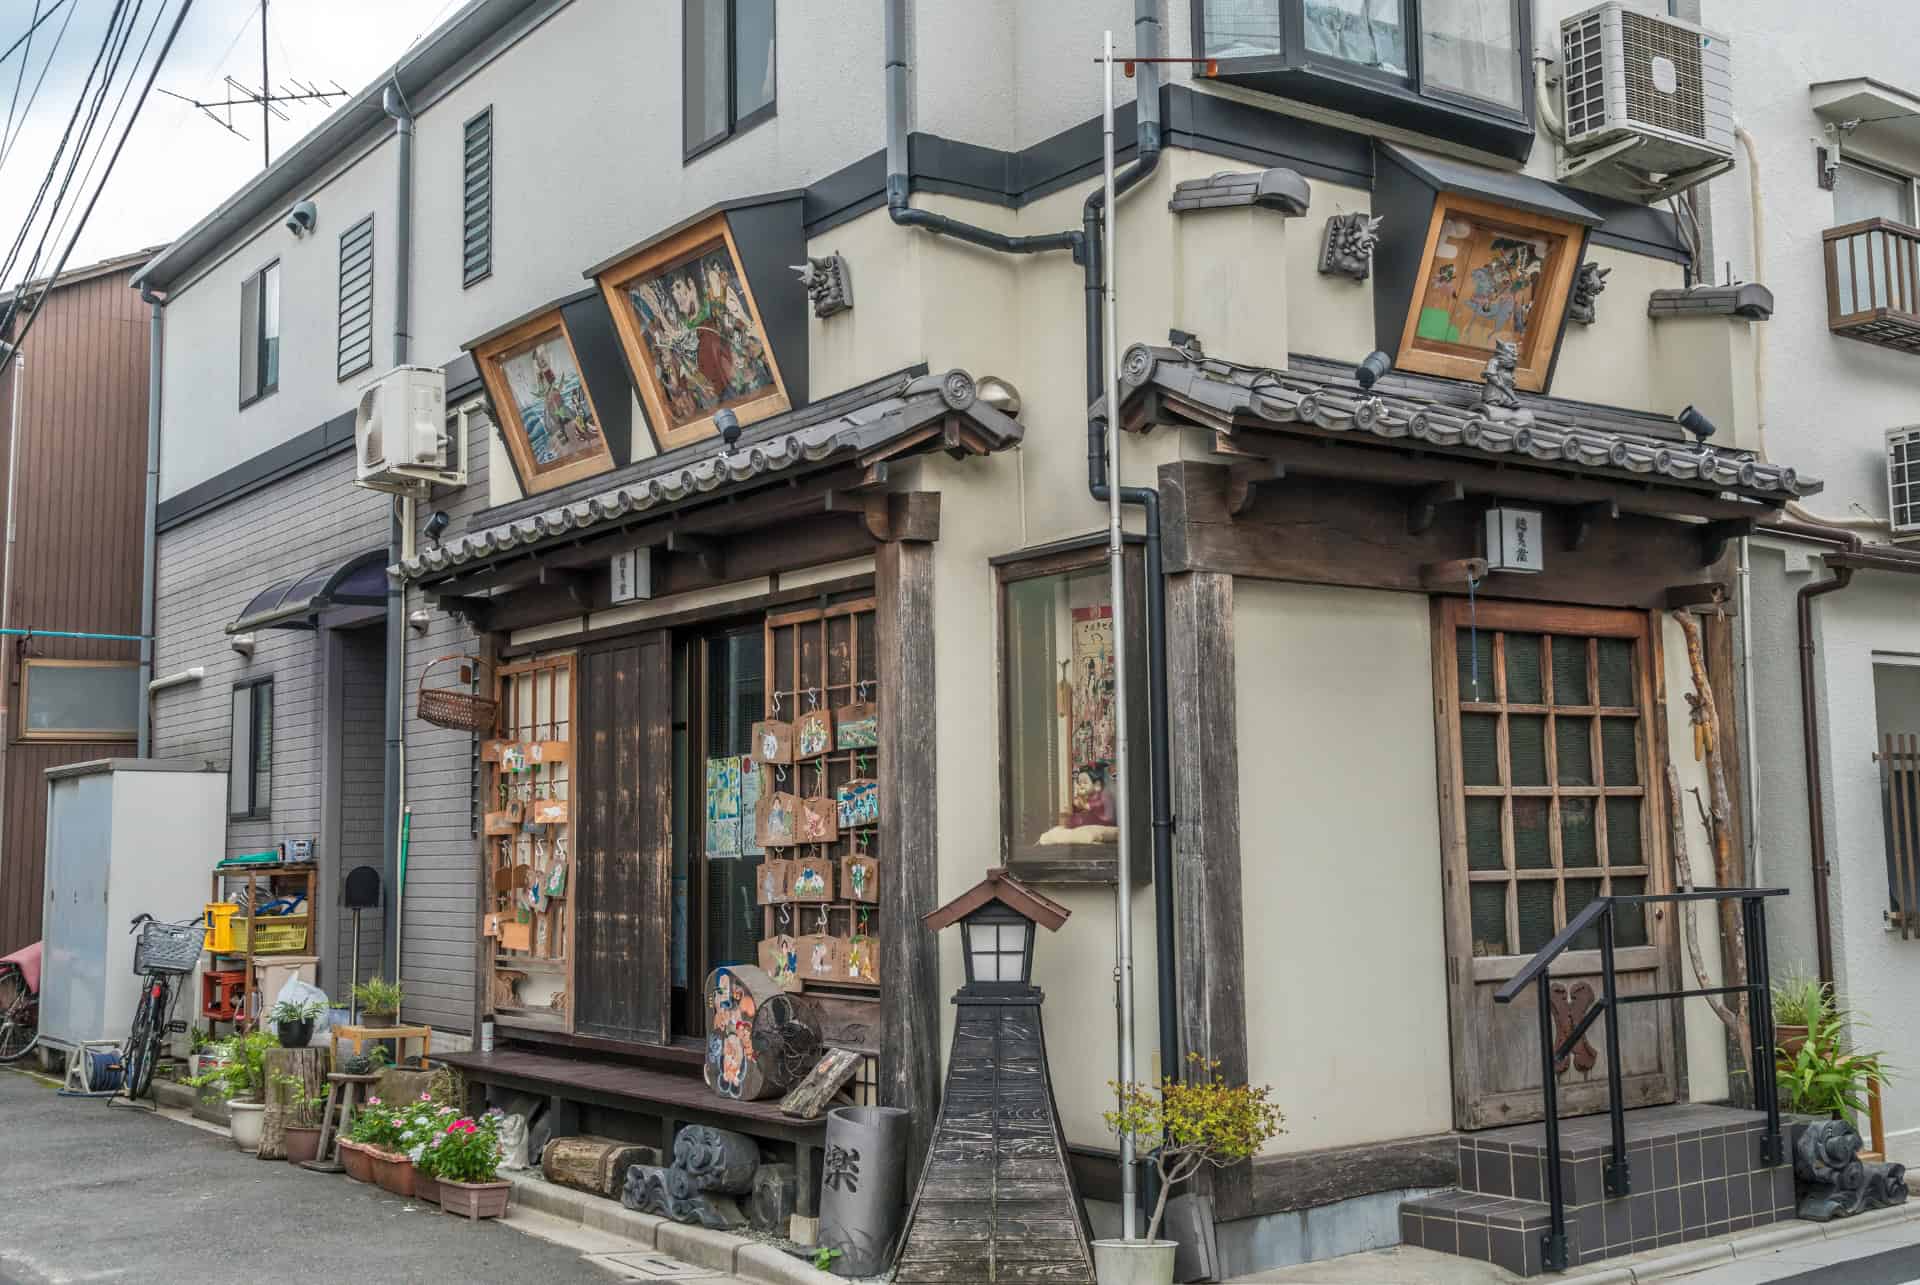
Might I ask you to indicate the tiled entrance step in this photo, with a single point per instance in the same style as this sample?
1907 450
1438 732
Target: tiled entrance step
1696 1173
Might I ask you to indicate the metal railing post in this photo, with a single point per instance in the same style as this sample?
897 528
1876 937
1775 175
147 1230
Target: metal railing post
1760 973
1619 1169
1554 1244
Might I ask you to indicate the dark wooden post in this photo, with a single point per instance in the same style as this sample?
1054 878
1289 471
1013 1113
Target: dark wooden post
1206 861
909 853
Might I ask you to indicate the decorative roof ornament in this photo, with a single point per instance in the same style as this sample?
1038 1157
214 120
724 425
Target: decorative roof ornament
827 283
1588 282
1346 247
1498 400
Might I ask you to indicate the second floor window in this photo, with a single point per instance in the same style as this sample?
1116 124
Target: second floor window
729 68
250 750
1869 192
260 334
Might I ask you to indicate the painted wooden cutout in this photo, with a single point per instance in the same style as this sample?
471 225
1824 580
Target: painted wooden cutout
778 819
820 957
860 879
860 958
557 878
813 734
857 726
858 803
773 741
810 879
819 820
780 957
513 758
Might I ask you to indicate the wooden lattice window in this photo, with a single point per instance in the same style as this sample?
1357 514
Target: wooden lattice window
1548 714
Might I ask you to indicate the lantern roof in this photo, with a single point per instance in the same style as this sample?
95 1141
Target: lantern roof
999 886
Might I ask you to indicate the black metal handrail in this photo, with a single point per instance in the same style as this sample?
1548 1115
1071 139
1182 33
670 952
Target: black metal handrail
1758 989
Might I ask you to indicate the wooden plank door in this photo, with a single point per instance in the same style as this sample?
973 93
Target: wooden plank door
1550 760
623 888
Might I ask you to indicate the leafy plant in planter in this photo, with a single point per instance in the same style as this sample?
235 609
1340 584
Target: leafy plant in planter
240 1074
303 1117
466 1163
1823 1077
367 1063
1799 1004
379 1000
294 1021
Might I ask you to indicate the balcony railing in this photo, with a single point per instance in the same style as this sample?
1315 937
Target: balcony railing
1873 283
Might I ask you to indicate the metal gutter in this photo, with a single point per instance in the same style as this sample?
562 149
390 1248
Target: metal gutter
150 533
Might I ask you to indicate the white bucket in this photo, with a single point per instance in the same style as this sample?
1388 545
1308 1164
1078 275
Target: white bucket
1134 1262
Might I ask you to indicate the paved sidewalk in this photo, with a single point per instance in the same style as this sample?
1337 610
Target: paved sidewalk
93 1193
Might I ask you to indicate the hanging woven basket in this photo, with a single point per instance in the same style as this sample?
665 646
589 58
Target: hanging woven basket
454 706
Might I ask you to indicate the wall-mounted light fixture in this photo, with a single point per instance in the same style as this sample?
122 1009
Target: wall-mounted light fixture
420 618
242 643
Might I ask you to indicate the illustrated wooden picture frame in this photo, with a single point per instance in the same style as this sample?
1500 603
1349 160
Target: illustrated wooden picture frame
1489 272
692 333
546 413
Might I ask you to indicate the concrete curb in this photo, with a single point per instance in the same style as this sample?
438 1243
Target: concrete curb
742 1256
1750 1246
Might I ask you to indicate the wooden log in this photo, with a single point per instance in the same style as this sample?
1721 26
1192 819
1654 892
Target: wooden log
309 1067
598 1165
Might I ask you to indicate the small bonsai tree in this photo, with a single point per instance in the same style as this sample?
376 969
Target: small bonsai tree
379 997
1184 1124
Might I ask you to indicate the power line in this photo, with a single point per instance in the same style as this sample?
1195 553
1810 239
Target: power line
6 144
27 35
21 79
114 119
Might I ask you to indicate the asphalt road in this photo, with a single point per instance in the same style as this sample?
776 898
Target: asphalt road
91 1193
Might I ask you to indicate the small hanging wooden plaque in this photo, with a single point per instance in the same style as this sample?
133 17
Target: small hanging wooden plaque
777 819
821 957
819 821
858 803
813 734
770 889
856 727
780 957
810 879
773 742
860 959
860 879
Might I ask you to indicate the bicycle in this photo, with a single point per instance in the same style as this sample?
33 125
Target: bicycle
19 1003
164 953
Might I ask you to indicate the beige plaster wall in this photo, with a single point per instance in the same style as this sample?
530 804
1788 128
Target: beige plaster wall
1328 316
1613 361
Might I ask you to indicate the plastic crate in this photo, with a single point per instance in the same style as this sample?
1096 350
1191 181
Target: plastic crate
220 994
219 921
285 935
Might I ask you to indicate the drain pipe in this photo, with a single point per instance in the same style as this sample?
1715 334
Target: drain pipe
156 332
395 105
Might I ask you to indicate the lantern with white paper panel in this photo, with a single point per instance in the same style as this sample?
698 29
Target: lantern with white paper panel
1515 540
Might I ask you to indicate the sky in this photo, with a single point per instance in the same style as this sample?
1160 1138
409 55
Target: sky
178 165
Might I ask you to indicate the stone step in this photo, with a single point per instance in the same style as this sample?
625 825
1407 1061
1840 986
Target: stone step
1490 1229
1666 1147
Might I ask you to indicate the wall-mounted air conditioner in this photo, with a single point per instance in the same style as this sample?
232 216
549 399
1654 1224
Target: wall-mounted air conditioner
1903 480
401 440
1647 102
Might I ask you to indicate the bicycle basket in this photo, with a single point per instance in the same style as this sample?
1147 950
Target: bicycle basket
450 707
168 948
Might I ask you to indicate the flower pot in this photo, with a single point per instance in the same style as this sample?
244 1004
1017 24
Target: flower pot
356 1160
1790 1038
860 1201
1134 1262
393 1172
303 1144
247 1119
295 1035
380 1019
425 1187
477 1199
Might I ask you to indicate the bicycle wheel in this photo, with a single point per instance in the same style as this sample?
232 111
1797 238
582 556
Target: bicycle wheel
142 1049
19 1018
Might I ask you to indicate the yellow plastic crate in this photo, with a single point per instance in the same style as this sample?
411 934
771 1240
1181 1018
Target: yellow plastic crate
219 921
275 935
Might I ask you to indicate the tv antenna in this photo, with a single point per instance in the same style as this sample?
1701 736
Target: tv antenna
267 98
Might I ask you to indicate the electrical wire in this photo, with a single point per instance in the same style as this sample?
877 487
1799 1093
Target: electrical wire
6 143
21 79
27 35
87 178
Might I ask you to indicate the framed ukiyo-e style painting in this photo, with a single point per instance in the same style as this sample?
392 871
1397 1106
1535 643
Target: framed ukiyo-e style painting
546 414
693 335
1489 274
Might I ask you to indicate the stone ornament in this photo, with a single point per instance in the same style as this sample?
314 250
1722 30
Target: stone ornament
1498 400
1346 248
827 283
1834 1182
1588 282
711 1169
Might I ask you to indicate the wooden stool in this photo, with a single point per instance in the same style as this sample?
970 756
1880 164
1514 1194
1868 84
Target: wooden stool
359 1035
344 1093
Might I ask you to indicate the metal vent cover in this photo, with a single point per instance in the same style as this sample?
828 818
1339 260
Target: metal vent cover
1655 55
476 197
1903 479
1583 51
354 346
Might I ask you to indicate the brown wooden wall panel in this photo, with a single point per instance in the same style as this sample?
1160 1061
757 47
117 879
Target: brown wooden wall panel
78 521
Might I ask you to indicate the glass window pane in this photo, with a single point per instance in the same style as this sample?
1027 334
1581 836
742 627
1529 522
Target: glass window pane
1527 748
1241 28
1479 749
83 698
753 56
1365 32
1483 835
1060 709
1579 844
704 55
270 328
1572 746
1013 938
1623 832
1629 922
1524 686
1616 673
250 338
986 964
736 697
1570 672
1536 914
1532 843
262 747
1468 46
1860 193
1580 892
1619 750
240 752
1489 919
1475 651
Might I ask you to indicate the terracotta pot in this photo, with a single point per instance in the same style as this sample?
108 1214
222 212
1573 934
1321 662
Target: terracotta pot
475 1199
1790 1038
394 1172
303 1144
356 1160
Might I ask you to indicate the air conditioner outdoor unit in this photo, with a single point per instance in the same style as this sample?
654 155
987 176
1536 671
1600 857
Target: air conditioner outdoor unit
1903 480
400 437
1647 102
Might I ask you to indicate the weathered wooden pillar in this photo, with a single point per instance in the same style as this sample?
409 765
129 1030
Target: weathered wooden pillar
909 853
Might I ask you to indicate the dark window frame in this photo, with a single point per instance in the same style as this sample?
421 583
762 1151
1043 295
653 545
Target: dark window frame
257 279
1406 102
468 277
736 123
254 811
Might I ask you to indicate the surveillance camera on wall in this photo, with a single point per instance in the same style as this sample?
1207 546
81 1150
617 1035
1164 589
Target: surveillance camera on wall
302 217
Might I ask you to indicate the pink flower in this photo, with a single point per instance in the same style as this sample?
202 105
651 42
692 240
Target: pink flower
372 1101
426 1097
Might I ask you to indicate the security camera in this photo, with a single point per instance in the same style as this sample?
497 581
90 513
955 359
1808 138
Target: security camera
1696 423
302 217
729 425
435 525
1369 371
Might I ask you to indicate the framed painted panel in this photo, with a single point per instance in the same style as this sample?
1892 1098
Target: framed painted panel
546 413
1489 273
693 335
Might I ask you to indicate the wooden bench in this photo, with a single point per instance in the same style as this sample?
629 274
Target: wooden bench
674 1099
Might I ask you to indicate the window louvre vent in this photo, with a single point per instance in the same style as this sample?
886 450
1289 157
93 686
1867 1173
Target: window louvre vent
1903 480
476 236
355 352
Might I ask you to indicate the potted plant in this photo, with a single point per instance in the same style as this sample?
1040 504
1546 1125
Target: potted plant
365 1066
1799 1003
423 1126
293 1022
241 1076
379 1001
1823 1077
358 1148
303 1117
198 1042
379 1130
1182 1124
466 1164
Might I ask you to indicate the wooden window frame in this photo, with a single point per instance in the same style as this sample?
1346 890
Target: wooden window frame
254 811
736 123
1096 864
1500 618
27 733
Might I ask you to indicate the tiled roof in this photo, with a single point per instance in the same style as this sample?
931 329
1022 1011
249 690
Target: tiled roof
887 415
1224 390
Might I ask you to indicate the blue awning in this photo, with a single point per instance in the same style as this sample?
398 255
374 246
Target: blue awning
360 581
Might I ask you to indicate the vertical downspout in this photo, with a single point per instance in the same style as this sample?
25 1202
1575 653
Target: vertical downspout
395 106
1816 792
6 575
156 333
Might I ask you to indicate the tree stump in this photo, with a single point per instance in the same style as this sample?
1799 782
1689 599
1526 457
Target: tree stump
309 1066
761 1039
598 1165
